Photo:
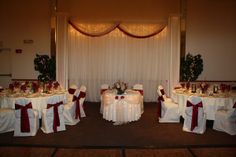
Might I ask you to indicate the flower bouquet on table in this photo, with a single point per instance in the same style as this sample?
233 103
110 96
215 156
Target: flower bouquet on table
120 87
204 86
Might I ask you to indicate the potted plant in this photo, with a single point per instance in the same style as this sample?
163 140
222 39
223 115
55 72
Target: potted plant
191 67
46 67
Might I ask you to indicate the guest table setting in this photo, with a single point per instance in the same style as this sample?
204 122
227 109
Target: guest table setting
37 95
213 97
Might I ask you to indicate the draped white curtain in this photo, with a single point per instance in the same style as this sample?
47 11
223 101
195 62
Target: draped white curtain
151 61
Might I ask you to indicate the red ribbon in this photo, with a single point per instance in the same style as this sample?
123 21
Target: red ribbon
24 124
162 91
140 91
56 120
194 122
71 91
159 100
103 90
77 99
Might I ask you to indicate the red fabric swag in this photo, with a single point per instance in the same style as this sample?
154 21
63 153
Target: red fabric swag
25 124
77 99
56 119
194 122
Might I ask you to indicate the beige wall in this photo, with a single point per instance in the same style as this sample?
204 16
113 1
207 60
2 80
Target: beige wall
119 10
22 20
211 31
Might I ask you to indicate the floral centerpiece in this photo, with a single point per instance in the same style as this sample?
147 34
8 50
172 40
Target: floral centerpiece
120 87
204 87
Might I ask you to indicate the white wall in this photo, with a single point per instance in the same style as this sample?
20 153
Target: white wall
21 20
211 32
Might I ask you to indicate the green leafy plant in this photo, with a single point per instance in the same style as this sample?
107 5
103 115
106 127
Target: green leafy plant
46 66
191 67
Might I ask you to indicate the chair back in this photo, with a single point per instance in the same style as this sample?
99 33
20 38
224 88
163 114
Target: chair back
161 92
138 87
104 87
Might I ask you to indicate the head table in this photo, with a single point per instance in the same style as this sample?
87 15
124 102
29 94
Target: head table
211 103
126 107
39 100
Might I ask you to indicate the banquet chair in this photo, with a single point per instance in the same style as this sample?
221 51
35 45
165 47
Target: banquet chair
74 110
27 118
7 120
139 88
52 116
71 92
225 120
168 111
104 87
195 118
80 98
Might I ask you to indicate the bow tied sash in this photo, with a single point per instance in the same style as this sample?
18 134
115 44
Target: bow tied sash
234 105
102 91
162 92
194 122
140 91
56 120
25 124
159 100
77 101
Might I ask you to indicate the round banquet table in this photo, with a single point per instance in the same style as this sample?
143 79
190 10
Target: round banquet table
38 100
122 108
210 103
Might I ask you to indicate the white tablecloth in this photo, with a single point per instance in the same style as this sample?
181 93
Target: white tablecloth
39 101
122 108
210 103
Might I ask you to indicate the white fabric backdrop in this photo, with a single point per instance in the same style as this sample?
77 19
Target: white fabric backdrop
93 61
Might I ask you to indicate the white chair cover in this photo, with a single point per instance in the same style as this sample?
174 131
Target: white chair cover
70 116
104 87
139 87
161 92
225 120
21 118
195 118
81 101
71 92
168 110
7 119
50 121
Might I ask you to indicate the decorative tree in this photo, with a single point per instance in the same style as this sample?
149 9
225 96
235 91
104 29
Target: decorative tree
46 67
191 67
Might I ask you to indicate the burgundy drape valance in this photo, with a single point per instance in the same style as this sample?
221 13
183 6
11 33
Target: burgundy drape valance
130 29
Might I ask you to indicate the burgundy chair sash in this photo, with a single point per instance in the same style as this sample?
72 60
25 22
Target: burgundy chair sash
234 105
194 122
140 91
25 124
162 91
71 90
56 119
102 91
159 100
77 101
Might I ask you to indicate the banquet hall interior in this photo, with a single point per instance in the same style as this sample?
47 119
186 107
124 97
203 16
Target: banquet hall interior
59 54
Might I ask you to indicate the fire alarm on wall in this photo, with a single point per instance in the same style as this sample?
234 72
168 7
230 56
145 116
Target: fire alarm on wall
18 50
